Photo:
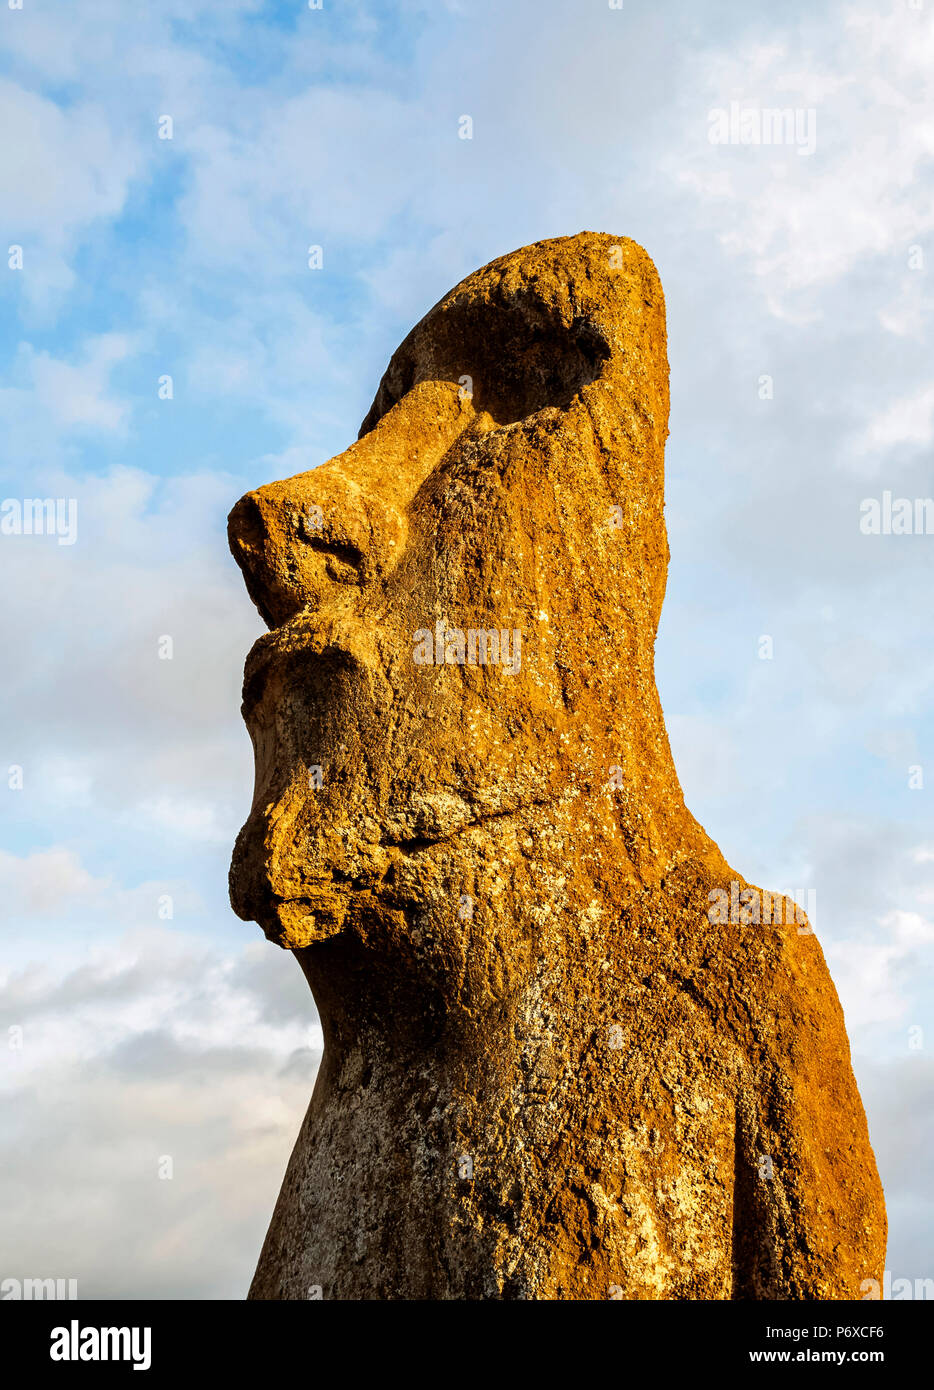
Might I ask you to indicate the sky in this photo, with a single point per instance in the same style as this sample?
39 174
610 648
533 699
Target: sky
168 342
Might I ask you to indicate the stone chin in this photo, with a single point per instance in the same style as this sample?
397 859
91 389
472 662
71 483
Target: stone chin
348 842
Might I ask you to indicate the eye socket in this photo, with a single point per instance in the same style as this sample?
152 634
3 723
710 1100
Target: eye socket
519 355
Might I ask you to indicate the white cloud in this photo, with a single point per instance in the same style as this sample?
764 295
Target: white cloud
255 197
77 393
60 173
43 881
151 561
865 978
194 820
874 888
804 223
909 420
156 1049
54 402
897 1097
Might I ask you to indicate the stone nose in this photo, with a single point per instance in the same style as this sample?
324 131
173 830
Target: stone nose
297 539
344 525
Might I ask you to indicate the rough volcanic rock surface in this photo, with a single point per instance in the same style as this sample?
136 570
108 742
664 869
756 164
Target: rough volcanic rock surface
555 1066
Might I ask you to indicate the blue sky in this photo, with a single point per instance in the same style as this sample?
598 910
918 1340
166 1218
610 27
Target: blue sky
146 1035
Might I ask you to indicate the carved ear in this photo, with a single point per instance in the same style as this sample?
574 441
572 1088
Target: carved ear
514 355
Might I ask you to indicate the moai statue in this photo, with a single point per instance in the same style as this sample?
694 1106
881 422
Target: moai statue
569 1052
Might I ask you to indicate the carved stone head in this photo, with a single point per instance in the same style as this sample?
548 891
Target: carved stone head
549 1069
463 609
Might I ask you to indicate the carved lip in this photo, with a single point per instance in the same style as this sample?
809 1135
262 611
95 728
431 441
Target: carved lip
305 631
305 638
